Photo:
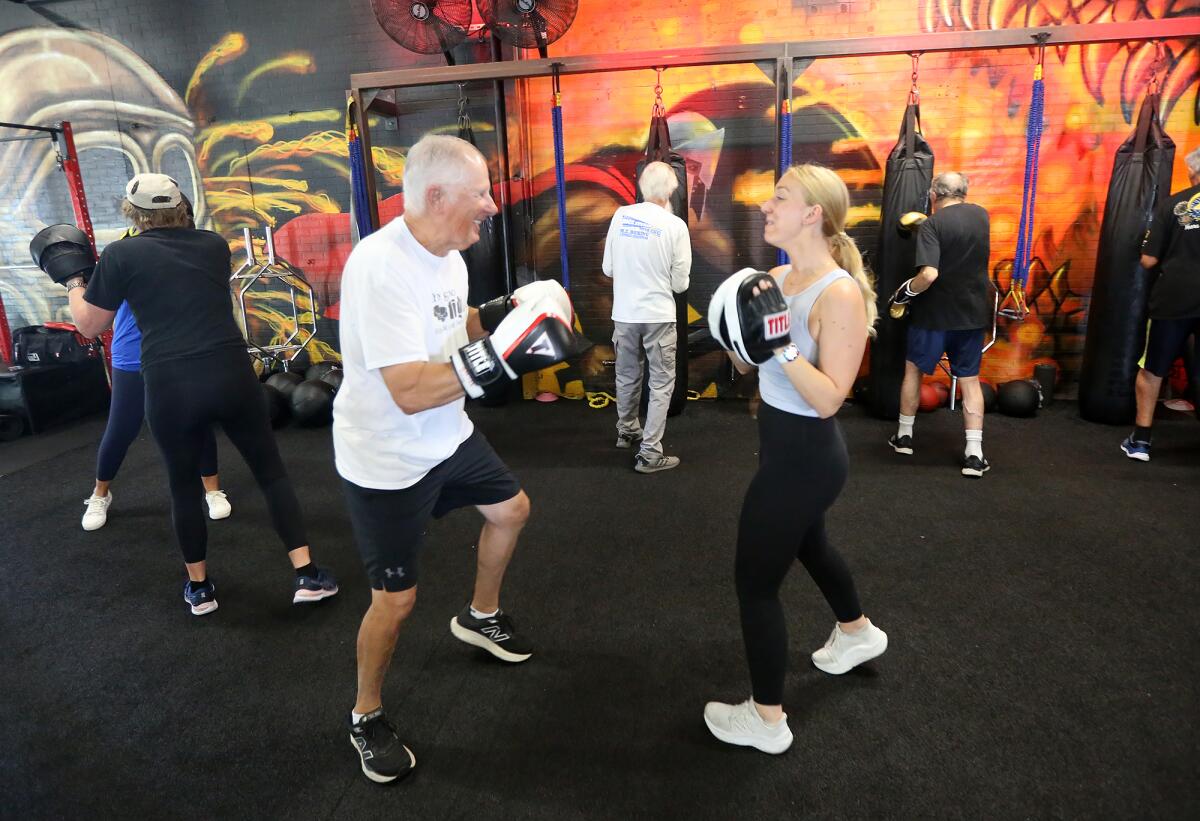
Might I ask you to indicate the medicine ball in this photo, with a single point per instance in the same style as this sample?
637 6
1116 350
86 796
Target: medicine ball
319 370
333 378
1018 398
943 392
285 382
989 396
312 404
929 398
277 406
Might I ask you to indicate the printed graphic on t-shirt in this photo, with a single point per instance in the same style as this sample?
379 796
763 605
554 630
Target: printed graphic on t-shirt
635 228
448 307
1188 213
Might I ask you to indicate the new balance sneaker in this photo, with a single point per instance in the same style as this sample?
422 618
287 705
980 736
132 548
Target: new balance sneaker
845 651
384 758
901 444
497 634
201 596
218 505
742 725
96 513
1133 448
314 588
975 466
653 465
627 440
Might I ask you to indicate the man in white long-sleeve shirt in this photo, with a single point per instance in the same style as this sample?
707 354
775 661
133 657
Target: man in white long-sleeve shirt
648 255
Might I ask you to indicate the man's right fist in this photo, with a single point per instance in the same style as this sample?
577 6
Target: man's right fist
493 311
898 304
534 335
912 220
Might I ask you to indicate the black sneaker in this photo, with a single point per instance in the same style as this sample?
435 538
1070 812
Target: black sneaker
901 444
497 634
384 758
975 466
202 596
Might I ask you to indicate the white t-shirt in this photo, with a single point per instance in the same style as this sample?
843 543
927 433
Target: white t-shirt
400 303
648 254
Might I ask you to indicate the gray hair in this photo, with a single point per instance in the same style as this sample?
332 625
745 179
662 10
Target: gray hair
950 184
435 160
658 182
1193 161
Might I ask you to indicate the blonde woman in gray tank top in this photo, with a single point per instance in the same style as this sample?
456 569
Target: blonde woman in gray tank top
802 456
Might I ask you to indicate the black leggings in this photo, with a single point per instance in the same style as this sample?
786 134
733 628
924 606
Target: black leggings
801 470
125 415
184 398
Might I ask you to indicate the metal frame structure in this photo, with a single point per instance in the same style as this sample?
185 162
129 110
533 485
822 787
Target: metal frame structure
365 87
251 272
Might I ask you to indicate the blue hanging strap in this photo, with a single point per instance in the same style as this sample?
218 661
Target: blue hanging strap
1033 142
560 176
785 156
360 202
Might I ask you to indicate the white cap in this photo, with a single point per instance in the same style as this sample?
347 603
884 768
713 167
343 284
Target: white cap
153 191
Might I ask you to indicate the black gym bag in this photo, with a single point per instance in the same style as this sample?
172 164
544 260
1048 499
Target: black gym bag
54 343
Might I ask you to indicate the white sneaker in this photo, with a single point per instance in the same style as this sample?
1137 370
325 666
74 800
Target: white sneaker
845 651
97 511
742 725
218 505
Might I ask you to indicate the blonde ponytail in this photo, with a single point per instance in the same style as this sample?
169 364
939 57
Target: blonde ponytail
845 254
822 186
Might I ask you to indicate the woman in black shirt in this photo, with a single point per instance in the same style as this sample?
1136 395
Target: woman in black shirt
196 371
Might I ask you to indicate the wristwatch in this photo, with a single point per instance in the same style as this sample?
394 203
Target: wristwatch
790 353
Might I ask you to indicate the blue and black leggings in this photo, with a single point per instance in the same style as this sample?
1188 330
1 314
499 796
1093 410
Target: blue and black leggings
125 415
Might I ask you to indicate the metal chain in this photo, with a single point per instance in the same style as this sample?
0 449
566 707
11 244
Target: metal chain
914 93
659 109
464 119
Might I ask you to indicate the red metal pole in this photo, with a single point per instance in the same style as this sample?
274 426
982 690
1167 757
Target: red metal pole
5 335
70 166
83 219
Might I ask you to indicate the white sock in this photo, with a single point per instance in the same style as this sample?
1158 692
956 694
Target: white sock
356 718
906 426
475 614
974 443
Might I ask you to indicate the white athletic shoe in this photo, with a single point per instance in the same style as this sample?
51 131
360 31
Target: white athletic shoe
742 725
218 505
97 511
845 651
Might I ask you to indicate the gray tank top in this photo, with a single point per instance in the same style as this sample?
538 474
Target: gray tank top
776 389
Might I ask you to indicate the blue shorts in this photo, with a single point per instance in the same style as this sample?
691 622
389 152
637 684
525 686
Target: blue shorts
964 348
1166 343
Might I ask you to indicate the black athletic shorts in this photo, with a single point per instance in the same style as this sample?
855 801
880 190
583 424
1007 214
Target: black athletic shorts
389 525
1165 345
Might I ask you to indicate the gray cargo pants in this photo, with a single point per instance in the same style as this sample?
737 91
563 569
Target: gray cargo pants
658 339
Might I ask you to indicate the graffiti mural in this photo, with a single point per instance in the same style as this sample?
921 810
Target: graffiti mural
256 126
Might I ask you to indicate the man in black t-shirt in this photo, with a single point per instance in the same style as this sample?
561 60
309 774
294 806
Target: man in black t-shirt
1172 244
196 372
952 313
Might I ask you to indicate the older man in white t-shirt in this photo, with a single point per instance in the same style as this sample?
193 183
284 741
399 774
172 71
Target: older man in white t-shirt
406 451
648 255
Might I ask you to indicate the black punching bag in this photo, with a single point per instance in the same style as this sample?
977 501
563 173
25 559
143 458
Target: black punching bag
1116 328
658 149
485 260
906 183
